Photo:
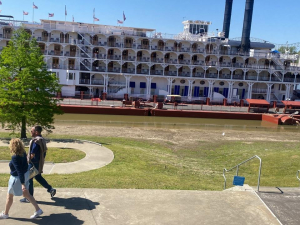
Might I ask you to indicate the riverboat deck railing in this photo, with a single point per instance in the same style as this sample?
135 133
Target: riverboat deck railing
237 170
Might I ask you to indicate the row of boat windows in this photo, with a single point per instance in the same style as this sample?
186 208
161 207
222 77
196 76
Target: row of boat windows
7 33
198 29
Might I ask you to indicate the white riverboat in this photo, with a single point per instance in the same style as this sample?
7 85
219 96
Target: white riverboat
196 64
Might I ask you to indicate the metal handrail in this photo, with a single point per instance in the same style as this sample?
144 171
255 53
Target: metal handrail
298 175
237 170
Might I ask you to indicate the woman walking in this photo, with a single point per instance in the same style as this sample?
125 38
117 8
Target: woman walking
18 183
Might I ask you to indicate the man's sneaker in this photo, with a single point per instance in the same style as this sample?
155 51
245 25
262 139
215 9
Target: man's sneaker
24 200
37 214
52 192
3 216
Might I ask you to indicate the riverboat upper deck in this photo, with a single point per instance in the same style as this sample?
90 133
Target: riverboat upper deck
110 61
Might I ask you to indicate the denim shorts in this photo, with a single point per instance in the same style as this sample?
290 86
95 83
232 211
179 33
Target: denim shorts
15 186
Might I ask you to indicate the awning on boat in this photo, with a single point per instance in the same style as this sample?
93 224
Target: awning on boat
275 51
257 102
291 103
258 105
291 106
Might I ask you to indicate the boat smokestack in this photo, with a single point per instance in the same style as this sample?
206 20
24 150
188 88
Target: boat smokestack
245 43
227 17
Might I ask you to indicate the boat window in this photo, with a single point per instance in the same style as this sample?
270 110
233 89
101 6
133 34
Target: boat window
128 41
145 42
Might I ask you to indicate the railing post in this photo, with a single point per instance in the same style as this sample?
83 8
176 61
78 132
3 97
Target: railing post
259 173
297 175
224 170
237 171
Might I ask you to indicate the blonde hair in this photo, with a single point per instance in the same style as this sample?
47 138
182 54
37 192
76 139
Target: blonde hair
16 147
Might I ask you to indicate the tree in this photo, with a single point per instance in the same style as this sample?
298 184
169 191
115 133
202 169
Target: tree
292 49
26 86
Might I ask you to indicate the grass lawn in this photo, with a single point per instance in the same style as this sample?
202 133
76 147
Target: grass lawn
56 155
149 165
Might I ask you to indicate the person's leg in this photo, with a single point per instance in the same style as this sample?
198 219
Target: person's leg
9 202
38 211
43 182
30 181
41 179
27 195
31 187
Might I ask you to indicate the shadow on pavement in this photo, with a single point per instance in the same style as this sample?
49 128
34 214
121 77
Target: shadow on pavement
75 203
270 192
277 191
57 219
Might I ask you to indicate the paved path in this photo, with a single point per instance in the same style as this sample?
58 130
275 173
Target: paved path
159 207
284 203
96 157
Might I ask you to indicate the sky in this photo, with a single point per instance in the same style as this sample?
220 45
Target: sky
276 21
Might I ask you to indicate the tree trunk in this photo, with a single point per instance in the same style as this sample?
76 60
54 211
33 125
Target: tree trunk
23 128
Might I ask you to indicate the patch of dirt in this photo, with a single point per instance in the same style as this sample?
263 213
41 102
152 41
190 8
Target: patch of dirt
177 137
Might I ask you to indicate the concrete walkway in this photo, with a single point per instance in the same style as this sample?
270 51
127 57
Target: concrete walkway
96 157
159 207
284 203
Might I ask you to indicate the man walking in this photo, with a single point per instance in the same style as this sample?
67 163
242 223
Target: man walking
36 154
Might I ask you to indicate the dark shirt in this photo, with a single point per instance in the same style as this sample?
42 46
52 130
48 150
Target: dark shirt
18 166
35 149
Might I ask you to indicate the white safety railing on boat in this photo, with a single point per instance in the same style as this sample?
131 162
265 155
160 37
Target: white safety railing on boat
237 170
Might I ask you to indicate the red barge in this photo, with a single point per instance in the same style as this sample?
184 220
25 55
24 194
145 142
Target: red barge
254 105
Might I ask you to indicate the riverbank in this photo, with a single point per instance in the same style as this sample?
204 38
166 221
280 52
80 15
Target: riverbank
180 137
181 158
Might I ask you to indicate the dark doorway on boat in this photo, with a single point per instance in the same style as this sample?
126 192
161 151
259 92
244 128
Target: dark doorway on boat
161 45
97 93
85 90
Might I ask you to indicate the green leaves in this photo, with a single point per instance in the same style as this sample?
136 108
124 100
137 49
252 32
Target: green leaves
26 87
292 49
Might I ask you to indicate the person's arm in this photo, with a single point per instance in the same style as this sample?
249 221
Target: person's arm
35 149
16 161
